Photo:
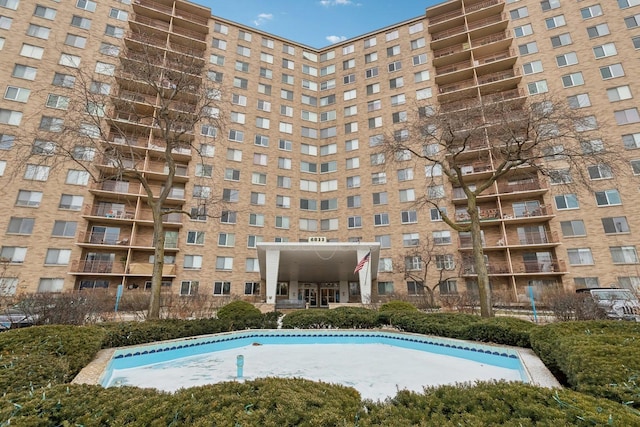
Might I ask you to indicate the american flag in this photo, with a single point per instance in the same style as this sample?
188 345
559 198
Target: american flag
363 261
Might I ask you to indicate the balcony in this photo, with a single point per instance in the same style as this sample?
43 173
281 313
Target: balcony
484 22
481 5
172 219
450 68
497 76
97 267
540 211
456 86
444 17
493 268
109 211
476 168
448 33
490 39
152 5
155 24
530 238
146 269
460 197
528 267
519 186
97 238
484 214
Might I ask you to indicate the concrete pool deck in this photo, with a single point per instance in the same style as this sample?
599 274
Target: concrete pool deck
536 371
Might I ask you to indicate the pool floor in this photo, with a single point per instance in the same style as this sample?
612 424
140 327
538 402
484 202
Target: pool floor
377 371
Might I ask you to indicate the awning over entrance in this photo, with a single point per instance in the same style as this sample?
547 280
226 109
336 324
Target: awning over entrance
317 263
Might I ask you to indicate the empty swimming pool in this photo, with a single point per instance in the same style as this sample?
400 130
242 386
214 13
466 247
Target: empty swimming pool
375 363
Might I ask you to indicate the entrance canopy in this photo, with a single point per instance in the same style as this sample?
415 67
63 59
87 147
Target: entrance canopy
318 262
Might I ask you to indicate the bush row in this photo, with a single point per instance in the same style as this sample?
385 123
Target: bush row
299 402
596 357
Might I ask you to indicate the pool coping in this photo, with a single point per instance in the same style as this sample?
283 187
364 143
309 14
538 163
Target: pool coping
536 371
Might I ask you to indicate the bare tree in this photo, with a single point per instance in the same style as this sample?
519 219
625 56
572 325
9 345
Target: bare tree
429 265
135 124
495 140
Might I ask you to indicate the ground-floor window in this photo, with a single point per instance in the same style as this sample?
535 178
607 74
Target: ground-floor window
415 287
50 285
222 288
93 284
282 290
189 287
385 288
252 288
354 289
448 287
147 285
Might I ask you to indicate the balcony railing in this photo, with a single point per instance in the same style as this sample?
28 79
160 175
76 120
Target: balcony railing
146 269
541 210
486 21
495 57
504 95
155 6
155 23
108 211
97 267
488 39
450 50
552 266
492 268
506 188
476 167
496 77
481 5
101 238
452 87
448 33
445 17
453 67
189 33
484 214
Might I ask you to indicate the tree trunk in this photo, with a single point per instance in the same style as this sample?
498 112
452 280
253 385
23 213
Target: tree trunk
158 262
480 265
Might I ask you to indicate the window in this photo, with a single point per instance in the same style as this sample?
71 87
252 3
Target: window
230 195
258 198
193 262
591 11
611 71
623 4
50 285
608 198
15 255
615 225
407 195
528 48
555 21
598 31
631 141
87 5
632 21
231 174
57 257
81 22
393 51
354 222
566 201
353 181
523 30
45 12
567 59
561 40
189 287
624 254
113 31
71 202
36 172
442 237
619 93
549 4
228 217
602 51
31 51
532 67
573 228
224 239
282 222
104 68
521 12
580 256
394 66
445 262
574 79
64 229
264 88
353 201
24 72
579 101
600 172
435 191
256 220
412 263
20 225
409 217
391 35
630 115
381 219
385 288
77 177
538 87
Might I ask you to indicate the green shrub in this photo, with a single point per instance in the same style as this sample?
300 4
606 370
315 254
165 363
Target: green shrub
500 330
354 318
491 404
595 357
241 315
309 319
35 357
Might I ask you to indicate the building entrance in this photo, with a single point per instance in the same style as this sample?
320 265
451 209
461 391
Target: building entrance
310 296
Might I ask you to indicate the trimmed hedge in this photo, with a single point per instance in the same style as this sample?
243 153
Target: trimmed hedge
299 402
241 315
595 357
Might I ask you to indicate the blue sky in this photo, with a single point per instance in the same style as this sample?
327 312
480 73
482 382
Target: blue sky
317 23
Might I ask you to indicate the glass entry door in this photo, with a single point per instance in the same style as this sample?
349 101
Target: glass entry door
329 296
310 296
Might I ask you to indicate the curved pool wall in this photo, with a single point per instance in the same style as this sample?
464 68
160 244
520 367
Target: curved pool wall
132 357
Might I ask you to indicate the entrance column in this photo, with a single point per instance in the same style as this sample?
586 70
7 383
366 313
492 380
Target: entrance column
272 263
364 277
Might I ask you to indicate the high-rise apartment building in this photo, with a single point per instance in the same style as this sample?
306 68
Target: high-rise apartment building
298 159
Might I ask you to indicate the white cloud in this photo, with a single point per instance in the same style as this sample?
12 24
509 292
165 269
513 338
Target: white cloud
335 39
262 18
328 3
